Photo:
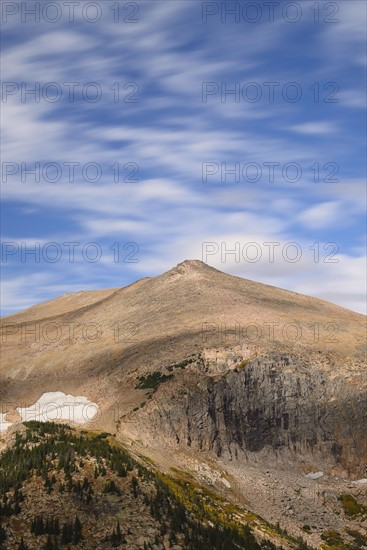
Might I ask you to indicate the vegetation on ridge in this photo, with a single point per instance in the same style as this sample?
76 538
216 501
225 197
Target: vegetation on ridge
90 476
152 381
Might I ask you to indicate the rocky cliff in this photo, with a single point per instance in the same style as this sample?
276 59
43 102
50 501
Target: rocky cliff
274 408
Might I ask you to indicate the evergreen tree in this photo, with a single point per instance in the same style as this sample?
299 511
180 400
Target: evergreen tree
135 485
49 544
67 533
120 535
2 534
37 526
22 545
117 537
89 497
77 531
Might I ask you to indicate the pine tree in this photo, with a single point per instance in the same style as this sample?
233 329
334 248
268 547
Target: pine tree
49 544
2 533
37 526
122 472
77 531
135 485
22 545
89 497
172 538
67 533
119 534
116 537
113 538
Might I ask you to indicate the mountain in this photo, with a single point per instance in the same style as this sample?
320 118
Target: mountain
255 391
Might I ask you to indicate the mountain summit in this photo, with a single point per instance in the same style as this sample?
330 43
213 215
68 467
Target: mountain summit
192 266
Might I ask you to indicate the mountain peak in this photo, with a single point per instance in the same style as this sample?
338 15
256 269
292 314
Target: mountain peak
191 267
192 264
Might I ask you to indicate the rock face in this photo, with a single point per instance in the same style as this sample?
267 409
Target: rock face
273 408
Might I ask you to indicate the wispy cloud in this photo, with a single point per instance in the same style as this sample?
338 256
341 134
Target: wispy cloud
170 132
315 128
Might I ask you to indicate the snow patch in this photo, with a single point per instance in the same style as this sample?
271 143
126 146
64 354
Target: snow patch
59 406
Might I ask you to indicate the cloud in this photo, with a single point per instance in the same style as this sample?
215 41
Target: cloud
353 98
169 133
344 41
21 292
315 128
322 215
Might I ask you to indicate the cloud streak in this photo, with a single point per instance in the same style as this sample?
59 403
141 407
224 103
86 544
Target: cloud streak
170 132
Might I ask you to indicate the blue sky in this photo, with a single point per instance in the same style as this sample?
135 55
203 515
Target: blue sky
163 115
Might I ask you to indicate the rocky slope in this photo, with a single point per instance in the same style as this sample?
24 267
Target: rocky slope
225 373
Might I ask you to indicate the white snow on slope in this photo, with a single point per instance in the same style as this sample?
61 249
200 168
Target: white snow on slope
59 406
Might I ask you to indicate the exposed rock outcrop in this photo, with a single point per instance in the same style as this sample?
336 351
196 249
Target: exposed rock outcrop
273 407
